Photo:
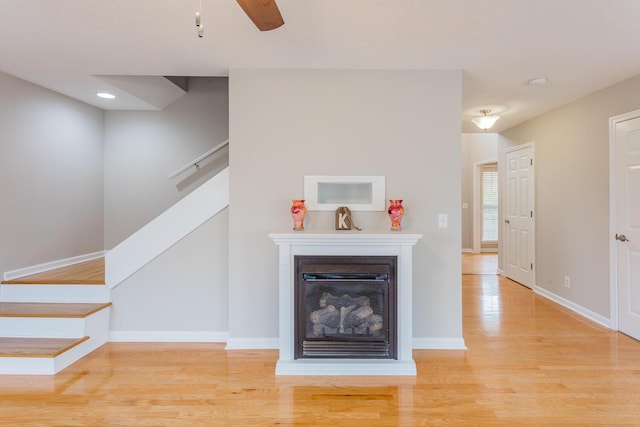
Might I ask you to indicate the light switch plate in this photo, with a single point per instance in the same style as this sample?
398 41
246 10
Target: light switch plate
442 220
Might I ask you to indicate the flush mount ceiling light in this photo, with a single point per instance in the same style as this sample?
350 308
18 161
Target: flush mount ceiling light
485 122
105 95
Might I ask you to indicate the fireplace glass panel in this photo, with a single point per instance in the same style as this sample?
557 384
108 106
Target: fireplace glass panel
345 307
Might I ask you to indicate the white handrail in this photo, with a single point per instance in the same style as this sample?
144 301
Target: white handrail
196 161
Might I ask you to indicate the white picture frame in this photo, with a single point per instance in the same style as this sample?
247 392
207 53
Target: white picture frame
358 193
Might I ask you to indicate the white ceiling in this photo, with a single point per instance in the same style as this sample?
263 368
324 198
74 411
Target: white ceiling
579 45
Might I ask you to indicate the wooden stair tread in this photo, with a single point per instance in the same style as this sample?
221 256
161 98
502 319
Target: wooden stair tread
51 282
39 309
37 347
84 273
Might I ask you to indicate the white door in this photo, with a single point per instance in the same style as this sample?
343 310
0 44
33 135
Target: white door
519 236
627 233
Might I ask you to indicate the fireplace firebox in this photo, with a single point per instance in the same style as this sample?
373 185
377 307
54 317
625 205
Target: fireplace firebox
345 307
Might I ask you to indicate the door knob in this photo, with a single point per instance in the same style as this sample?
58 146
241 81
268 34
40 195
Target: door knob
506 221
622 237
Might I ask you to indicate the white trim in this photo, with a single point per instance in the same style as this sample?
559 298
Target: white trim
467 251
439 344
576 308
52 265
167 336
252 344
613 226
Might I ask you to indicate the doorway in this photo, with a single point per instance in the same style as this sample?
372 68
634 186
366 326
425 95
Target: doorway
479 151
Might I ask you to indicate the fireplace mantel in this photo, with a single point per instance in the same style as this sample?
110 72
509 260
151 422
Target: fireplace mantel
393 243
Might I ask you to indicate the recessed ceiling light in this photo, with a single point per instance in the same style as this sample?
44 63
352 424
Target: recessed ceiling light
106 95
539 81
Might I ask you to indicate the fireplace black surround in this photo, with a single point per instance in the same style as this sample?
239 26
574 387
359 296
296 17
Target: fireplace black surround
345 307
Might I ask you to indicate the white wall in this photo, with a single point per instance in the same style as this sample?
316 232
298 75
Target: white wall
285 124
477 148
51 175
143 147
572 192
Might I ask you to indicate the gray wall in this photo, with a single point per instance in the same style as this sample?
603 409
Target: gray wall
51 176
143 147
183 290
477 148
287 124
572 192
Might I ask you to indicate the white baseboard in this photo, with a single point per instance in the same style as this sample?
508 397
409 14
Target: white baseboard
585 312
167 336
439 344
467 250
252 344
41 268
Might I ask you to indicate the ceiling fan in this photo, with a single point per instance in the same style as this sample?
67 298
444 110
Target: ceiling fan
264 13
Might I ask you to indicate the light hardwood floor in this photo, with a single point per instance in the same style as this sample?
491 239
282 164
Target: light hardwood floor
529 362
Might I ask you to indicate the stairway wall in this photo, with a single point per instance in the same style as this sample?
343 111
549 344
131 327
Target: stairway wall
51 175
143 147
180 296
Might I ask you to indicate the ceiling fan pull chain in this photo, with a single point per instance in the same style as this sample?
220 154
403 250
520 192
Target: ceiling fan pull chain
199 21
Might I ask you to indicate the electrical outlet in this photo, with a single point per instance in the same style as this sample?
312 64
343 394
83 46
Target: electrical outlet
567 282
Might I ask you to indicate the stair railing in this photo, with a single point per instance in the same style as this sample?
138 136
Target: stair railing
196 162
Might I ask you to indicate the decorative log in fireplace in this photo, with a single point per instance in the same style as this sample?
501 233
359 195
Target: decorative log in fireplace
345 307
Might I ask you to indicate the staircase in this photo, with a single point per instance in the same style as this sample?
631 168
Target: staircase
50 320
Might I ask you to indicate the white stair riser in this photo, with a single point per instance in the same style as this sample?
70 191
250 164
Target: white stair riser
55 293
53 327
27 366
41 327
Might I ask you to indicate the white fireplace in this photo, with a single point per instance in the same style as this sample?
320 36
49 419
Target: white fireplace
345 243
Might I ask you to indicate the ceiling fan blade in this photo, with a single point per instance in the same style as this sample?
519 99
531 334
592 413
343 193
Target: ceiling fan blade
264 13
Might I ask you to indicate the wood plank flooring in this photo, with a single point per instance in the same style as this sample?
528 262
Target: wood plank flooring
529 362
484 263
84 273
